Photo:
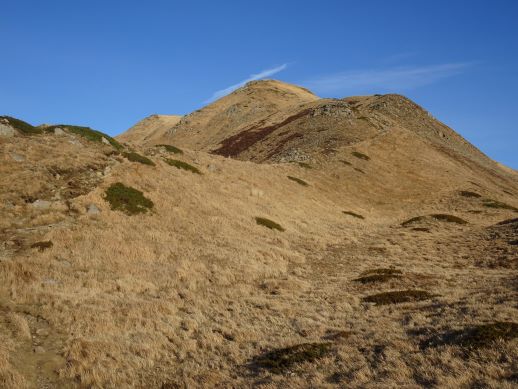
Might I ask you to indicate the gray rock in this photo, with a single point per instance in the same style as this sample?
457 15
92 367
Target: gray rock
92 209
212 168
41 204
105 141
17 157
59 131
39 350
6 131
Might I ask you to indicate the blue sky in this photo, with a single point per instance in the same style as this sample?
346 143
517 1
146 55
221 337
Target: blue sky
108 64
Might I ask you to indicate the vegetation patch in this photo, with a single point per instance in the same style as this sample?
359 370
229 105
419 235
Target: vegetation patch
171 149
298 181
182 165
356 215
467 193
269 224
508 221
421 229
498 205
437 216
23 127
346 162
305 165
397 297
42 246
127 199
480 336
282 359
360 155
374 278
136 157
382 270
87 133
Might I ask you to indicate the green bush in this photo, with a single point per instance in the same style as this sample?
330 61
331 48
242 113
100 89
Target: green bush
135 157
282 359
467 193
498 205
87 133
375 278
360 155
268 223
127 199
397 297
356 215
23 127
298 181
182 165
171 149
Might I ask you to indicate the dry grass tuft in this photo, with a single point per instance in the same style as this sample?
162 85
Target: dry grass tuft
282 359
136 157
127 199
182 165
269 224
42 246
397 297
298 181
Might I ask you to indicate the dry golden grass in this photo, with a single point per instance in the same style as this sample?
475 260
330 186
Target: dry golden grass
193 292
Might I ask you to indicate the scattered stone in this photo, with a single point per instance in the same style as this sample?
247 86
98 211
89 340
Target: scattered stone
211 167
59 131
41 204
105 141
92 209
6 131
17 157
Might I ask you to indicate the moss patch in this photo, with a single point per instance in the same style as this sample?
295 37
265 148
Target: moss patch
480 336
305 165
397 297
467 193
171 149
21 126
498 205
376 278
127 199
182 165
360 155
282 359
136 157
298 181
437 216
269 224
356 215
42 246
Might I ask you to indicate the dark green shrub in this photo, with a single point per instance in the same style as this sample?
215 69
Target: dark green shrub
268 223
467 193
23 127
135 157
127 199
356 215
182 165
376 278
397 297
360 155
282 359
298 181
305 165
347 163
171 149
498 205
42 246
87 133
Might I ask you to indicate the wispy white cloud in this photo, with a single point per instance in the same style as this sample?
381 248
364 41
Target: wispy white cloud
392 79
253 77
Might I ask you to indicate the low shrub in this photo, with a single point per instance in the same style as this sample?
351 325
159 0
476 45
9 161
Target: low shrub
467 193
298 181
171 149
87 133
42 246
282 359
127 199
397 297
381 270
356 215
136 157
437 216
374 278
499 205
182 165
360 155
305 165
269 224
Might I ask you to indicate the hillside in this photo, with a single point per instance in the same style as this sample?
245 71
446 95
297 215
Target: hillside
149 129
377 248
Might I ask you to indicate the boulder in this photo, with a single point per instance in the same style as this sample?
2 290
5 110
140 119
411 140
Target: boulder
6 131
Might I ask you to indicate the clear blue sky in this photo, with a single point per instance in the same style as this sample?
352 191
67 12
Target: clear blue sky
108 64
